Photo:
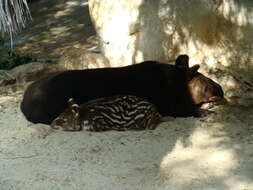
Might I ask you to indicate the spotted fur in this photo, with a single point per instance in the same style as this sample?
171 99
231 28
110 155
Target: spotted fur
112 113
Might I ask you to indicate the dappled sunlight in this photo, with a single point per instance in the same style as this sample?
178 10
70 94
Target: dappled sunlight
71 4
56 26
207 35
58 31
124 16
139 56
203 158
210 62
211 153
219 37
77 58
5 99
238 14
59 14
235 183
215 34
216 153
202 30
202 153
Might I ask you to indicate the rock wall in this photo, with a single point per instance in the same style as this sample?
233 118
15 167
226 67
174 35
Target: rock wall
78 58
218 34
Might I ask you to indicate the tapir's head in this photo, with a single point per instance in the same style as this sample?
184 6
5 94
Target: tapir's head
69 120
203 90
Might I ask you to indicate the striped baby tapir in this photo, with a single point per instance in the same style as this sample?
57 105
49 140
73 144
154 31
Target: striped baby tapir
119 113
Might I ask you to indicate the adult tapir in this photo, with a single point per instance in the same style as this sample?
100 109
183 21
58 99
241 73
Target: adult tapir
164 85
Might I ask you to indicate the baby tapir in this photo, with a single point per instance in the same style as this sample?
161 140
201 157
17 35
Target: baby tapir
112 113
164 85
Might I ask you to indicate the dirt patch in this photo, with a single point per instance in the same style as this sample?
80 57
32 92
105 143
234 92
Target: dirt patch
57 25
183 153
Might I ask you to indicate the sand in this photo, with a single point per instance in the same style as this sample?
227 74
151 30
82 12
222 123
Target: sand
211 153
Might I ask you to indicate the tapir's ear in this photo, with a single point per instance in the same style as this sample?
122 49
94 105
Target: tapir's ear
75 109
192 71
182 61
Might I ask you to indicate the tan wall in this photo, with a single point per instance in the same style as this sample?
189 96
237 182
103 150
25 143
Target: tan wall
216 33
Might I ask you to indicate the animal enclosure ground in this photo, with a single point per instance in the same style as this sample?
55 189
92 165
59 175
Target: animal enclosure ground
184 153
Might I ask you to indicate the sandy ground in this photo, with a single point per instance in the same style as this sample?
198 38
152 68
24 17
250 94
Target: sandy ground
212 153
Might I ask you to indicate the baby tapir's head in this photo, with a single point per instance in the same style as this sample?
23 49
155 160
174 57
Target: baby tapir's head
69 120
203 90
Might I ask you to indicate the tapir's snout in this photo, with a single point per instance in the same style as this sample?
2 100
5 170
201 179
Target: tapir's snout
213 101
205 92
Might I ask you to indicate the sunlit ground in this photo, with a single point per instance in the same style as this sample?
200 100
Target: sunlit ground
217 152
57 25
212 153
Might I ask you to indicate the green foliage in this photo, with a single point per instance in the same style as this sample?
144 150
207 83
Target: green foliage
14 60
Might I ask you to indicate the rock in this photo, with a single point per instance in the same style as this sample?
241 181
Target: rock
32 71
160 30
216 34
6 78
76 58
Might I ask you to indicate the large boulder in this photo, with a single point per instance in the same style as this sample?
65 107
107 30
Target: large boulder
6 78
21 76
76 58
215 33
32 71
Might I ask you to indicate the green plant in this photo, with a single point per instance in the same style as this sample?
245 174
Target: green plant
13 60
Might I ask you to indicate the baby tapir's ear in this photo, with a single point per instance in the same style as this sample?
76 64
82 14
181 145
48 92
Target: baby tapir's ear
71 101
182 62
191 72
75 109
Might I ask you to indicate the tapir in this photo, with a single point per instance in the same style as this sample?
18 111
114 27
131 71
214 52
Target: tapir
119 113
164 85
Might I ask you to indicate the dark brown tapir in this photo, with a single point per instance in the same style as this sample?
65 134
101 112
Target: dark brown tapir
166 86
